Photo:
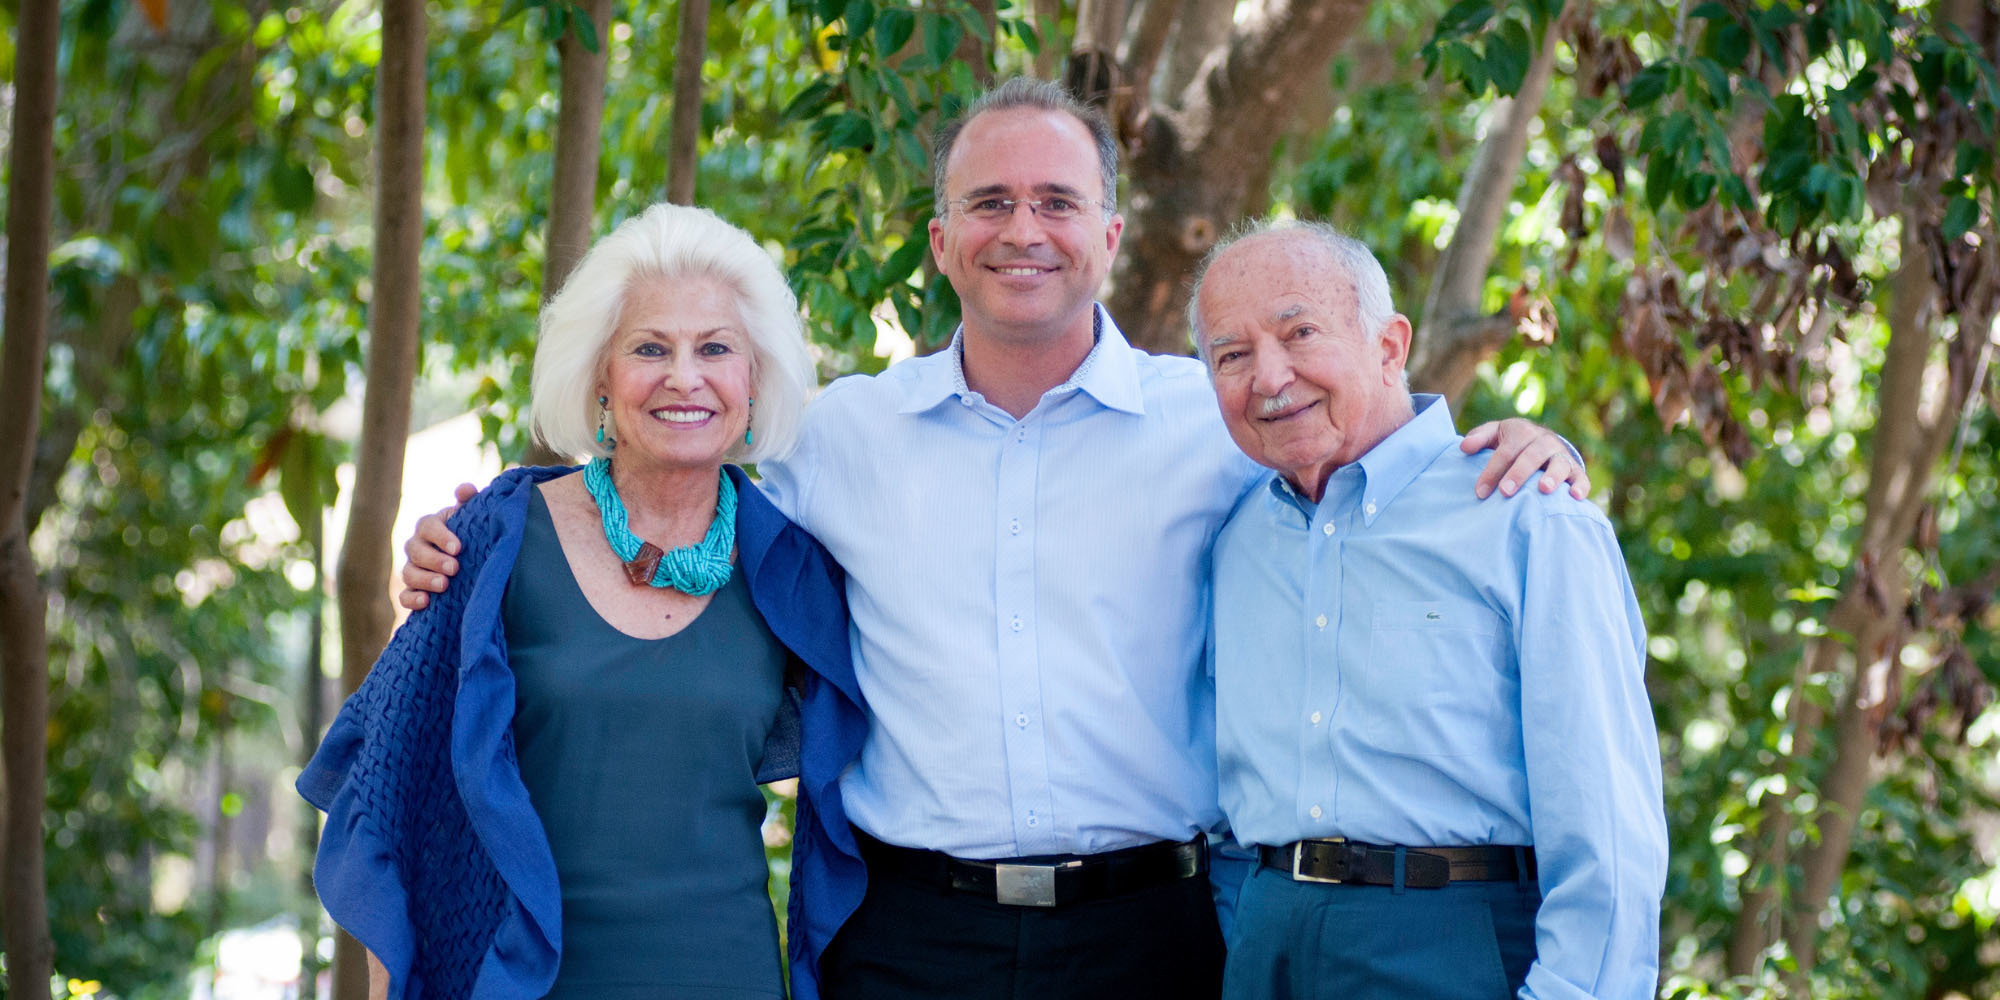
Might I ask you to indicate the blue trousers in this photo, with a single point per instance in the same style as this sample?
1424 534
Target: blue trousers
1307 941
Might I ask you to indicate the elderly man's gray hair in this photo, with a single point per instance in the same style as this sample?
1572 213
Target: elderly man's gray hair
1041 95
1352 257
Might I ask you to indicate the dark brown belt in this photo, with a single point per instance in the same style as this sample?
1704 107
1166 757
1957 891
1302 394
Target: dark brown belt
1055 880
1340 861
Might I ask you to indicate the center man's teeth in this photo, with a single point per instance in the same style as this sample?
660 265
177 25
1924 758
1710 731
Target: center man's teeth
682 416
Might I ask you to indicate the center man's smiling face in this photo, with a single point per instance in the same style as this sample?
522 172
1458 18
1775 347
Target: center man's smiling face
1024 278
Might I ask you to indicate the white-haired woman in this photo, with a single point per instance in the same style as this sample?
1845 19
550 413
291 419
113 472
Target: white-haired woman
548 784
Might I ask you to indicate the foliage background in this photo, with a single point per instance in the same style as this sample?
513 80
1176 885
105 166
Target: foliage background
211 285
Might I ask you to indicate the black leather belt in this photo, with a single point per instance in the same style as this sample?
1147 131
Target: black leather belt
1346 861
1056 880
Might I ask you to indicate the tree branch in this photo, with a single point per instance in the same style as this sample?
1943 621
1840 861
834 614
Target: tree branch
24 663
1440 362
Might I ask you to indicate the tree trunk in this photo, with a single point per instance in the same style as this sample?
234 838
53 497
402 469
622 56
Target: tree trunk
1048 27
1199 166
579 144
1091 72
1454 336
683 146
24 650
364 581
312 706
579 141
1908 440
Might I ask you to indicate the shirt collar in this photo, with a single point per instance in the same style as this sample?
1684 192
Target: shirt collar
1394 462
1109 373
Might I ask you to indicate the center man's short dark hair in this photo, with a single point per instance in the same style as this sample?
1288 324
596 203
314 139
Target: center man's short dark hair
1044 95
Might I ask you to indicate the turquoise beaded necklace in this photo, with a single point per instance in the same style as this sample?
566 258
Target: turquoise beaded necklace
698 570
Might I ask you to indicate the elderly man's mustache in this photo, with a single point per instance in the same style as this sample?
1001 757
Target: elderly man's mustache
1275 405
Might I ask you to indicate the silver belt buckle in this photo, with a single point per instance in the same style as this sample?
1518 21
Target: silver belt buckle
1024 885
1298 855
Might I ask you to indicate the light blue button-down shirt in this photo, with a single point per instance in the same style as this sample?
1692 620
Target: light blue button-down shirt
1029 598
1403 664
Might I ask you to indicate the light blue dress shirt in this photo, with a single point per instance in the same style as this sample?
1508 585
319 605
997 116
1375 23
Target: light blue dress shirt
1029 598
1403 664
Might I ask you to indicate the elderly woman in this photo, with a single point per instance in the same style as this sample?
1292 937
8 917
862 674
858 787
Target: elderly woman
548 784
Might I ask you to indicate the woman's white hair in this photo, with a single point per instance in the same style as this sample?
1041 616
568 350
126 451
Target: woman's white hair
668 242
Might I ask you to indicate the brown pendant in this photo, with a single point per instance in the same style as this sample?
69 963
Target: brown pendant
639 569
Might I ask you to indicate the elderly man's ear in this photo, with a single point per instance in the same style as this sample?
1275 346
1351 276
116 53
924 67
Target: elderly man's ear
1395 338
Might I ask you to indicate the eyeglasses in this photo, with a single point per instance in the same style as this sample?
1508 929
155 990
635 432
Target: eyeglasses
1051 208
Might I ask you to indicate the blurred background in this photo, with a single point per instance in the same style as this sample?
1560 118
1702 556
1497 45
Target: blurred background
1740 252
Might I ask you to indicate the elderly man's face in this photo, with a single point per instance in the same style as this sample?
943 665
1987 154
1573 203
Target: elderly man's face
1025 278
1303 389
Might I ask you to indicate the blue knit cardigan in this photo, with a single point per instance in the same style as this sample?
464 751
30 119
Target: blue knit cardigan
433 856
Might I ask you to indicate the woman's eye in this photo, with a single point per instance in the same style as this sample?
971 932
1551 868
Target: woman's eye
648 350
715 348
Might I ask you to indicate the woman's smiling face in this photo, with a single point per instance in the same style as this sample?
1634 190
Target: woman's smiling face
678 374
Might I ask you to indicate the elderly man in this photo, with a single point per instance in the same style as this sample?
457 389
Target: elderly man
1025 520
1431 721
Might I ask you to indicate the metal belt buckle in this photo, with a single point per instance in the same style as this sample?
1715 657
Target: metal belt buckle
1298 855
1024 885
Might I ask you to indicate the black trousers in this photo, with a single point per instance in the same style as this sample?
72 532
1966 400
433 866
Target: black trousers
912 941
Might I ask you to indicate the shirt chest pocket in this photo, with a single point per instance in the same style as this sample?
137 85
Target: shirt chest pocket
1440 680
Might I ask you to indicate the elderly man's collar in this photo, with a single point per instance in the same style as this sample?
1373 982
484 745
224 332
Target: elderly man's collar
1395 462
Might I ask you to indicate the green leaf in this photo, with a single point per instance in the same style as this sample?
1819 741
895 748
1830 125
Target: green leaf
1732 45
586 30
893 28
292 186
904 261
828 10
809 102
850 131
1662 170
1648 84
859 15
1508 52
941 35
1960 217
1464 18
1713 77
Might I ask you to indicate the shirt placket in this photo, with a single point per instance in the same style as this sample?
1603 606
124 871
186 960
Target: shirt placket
1320 625
1031 800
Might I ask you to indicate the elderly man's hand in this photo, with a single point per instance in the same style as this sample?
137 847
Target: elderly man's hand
431 549
1521 449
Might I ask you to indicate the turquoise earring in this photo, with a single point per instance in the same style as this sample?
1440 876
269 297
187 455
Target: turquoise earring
602 412
749 434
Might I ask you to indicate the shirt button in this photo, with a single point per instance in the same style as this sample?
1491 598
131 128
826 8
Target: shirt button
1328 529
1371 509
1315 718
1032 821
1014 526
1321 622
1021 720
1313 812
1016 623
